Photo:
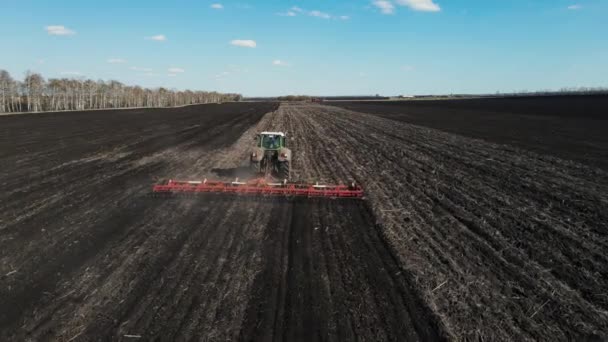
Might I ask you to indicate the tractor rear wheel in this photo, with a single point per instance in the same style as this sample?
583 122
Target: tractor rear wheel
284 170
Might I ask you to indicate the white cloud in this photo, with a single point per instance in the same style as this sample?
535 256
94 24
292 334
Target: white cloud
244 43
319 14
150 74
385 7
59 30
294 11
158 38
176 70
420 5
71 73
407 68
575 7
171 75
116 61
140 69
279 62
217 6
288 14
222 75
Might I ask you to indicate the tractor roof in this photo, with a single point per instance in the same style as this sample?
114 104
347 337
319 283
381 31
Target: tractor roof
273 133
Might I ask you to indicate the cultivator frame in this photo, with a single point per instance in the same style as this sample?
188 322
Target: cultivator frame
260 187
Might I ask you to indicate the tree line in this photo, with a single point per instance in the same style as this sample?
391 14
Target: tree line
35 94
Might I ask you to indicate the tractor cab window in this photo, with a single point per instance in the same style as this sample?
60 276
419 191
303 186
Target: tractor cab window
271 141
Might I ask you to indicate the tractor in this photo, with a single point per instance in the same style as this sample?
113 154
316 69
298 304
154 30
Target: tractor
270 161
270 155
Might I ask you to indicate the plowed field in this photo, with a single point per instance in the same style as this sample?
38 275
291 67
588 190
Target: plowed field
502 243
86 255
458 237
568 127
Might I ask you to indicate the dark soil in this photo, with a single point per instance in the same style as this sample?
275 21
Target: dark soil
504 244
86 255
569 127
71 219
329 275
458 238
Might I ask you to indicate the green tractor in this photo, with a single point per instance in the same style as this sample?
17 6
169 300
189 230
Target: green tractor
270 157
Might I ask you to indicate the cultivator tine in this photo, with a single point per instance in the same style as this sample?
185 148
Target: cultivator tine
261 188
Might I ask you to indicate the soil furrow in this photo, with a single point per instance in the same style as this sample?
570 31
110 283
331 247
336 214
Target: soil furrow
431 190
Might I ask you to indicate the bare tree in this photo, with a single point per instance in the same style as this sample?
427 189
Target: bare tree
33 87
36 94
6 85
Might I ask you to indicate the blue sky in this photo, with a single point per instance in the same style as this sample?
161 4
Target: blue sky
312 47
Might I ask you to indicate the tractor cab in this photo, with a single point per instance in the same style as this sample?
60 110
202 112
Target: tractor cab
270 140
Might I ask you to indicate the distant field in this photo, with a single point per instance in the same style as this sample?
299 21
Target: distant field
569 127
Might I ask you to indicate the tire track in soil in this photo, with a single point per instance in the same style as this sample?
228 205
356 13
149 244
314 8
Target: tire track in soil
328 275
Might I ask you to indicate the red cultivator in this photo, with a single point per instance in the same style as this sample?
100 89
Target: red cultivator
271 160
260 186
